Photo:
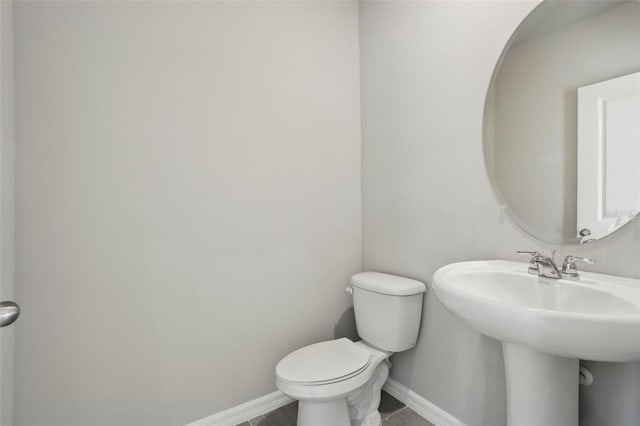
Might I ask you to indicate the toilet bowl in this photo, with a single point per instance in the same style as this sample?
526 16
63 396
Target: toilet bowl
338 382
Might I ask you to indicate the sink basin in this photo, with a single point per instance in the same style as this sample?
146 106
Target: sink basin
596 318
545 327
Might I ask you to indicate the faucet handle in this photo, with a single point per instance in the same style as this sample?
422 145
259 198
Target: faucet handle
532 253
535 255
534 268
569 268
570 258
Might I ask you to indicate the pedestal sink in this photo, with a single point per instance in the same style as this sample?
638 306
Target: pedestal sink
546 326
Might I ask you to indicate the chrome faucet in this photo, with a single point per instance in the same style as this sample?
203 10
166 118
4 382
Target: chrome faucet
544 266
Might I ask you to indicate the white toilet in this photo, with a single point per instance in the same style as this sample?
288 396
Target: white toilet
338 382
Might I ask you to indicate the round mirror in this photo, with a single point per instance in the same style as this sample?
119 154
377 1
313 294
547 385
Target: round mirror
562 120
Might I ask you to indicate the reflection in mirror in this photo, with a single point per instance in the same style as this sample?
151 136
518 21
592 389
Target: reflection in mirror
562 120
608 155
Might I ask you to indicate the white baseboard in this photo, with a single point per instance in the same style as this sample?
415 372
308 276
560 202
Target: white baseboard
263 405
244 412
424 408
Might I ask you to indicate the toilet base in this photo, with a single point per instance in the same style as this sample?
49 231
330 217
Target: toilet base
373 419
332 413
363 403
323 413
359 408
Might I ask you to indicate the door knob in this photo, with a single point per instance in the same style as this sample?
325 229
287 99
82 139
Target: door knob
9 312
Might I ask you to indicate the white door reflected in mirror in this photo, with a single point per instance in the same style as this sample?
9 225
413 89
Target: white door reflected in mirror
608 156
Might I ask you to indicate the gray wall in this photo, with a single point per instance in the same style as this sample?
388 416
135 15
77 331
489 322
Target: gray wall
536 114
427 202
167 259
188 184
7 213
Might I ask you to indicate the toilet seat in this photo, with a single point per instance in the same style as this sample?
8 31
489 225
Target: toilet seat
323 363
335 388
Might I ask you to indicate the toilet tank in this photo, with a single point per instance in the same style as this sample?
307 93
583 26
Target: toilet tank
388 310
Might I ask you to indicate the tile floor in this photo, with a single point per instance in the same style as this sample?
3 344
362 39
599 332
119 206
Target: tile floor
393 412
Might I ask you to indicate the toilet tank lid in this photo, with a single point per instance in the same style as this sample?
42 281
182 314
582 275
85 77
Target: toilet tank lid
392 285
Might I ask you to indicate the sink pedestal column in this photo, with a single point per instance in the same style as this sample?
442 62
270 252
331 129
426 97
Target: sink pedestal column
542 389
